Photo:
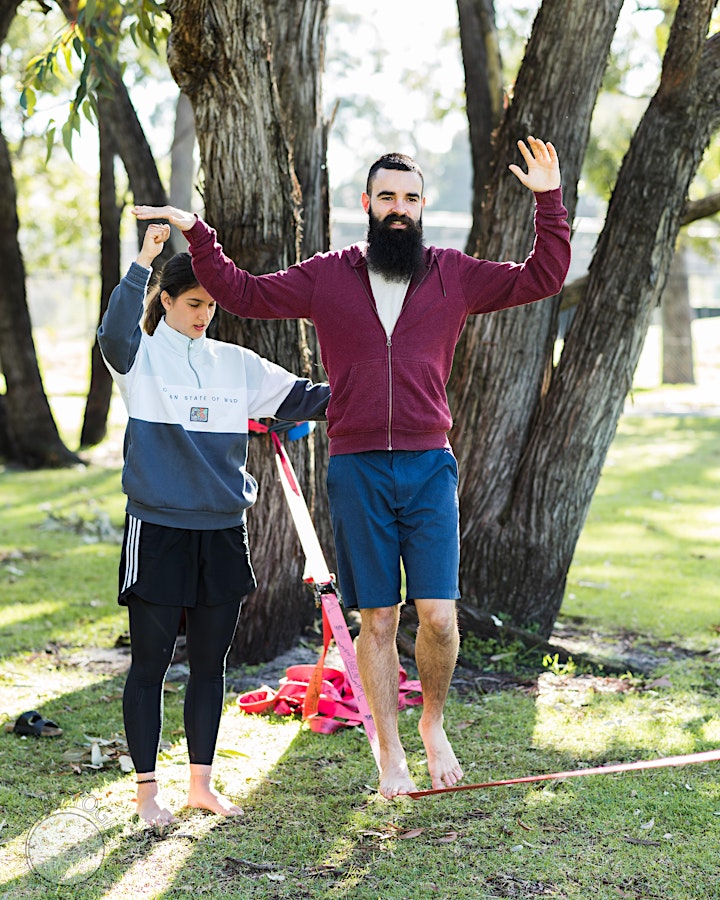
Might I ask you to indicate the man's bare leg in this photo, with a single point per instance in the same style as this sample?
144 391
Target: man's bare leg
378 666
436 650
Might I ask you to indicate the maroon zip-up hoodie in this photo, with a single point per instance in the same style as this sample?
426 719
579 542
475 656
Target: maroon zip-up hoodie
388 393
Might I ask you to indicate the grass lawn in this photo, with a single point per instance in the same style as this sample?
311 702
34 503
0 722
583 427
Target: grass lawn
646 572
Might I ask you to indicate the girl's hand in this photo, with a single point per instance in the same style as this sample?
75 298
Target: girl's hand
152 245
543 172
178 217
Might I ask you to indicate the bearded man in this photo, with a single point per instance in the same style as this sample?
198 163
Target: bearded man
388 314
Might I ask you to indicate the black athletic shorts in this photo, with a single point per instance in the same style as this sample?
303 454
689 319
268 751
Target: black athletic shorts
184 567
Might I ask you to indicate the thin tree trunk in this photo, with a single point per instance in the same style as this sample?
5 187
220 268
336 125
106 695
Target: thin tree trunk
99 395
484 96
182 166
677 319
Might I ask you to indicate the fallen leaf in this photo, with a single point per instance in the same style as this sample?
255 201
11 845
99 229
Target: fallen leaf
413 833
448 838
232 754
74 755
648 825
126 763
663 681
523 825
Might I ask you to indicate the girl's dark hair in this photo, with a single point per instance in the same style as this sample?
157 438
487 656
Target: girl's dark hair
175 277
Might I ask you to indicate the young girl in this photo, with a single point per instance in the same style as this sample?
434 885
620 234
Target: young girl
185 546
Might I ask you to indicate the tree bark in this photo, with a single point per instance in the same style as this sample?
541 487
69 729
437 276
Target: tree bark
504 360
677 318
99 395
29 434
220 56
484 96
527 528
297 32
182 166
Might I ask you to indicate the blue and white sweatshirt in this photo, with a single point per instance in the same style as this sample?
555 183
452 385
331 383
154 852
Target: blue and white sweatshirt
188 404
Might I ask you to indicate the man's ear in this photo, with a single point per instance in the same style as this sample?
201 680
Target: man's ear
365 200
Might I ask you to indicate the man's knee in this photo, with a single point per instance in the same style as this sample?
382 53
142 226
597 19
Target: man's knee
438 618
380 621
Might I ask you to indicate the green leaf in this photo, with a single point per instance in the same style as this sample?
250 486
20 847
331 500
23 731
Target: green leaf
49 141
232 754
67 132
88 111
67 56
28 98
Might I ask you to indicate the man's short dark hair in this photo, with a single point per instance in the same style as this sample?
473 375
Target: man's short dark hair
394 161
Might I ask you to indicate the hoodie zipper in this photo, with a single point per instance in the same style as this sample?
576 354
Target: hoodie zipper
388 344
192 367
388 341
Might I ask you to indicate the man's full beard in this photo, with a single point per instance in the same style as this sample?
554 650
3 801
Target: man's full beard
394 253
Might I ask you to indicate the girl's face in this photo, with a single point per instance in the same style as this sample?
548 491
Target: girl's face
190 313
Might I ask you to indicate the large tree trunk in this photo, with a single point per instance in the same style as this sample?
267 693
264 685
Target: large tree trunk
544 433
99 395
503 362
297 34
677 319
221 58
29 434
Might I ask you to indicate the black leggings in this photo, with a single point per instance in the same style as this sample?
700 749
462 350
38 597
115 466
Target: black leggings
153 630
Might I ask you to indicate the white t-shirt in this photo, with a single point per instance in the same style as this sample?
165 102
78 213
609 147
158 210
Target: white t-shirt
389 296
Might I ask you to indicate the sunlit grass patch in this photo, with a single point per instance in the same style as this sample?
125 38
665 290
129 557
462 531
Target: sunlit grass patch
648 558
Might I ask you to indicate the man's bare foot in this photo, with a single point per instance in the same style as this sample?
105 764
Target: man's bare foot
395 779
444 769
151 808
202 795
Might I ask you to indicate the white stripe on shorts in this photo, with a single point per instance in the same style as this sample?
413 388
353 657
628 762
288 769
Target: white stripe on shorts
132 549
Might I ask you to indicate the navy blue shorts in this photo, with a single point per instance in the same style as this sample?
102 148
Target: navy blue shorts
390 508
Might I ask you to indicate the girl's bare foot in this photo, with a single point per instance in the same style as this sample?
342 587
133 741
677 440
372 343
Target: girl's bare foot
202 795
151 808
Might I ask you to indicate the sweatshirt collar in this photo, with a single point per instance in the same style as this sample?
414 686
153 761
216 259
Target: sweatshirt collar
176 342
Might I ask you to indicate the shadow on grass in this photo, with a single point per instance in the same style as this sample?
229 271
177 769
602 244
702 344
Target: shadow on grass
314 827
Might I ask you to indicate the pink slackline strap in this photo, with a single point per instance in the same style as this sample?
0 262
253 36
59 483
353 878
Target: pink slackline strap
707 756
327 698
